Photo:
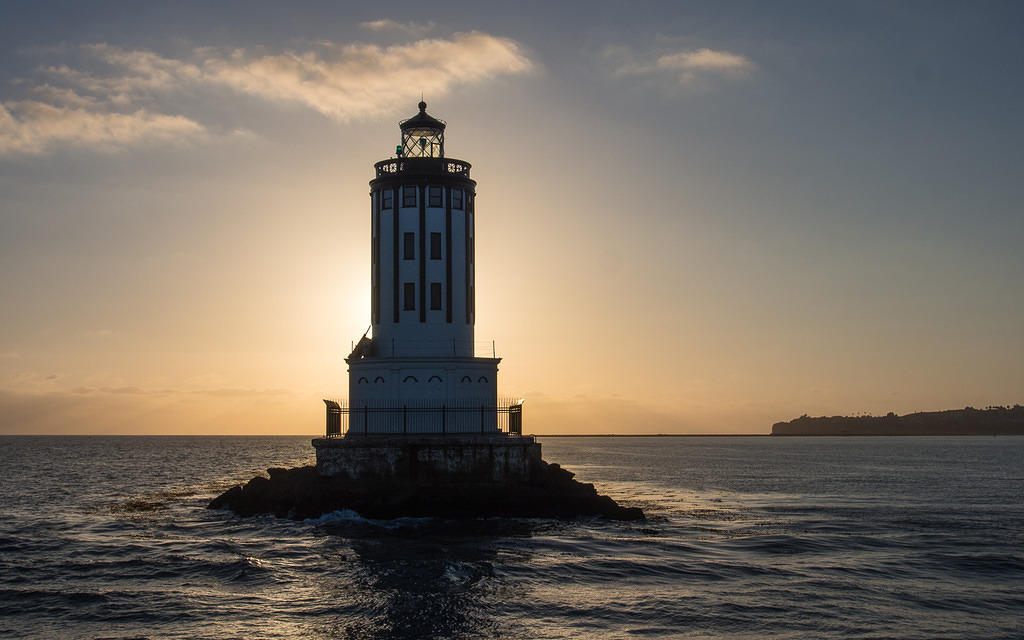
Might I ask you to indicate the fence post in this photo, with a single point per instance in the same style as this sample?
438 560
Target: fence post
481 419
404 427
515 419
444 419
366 419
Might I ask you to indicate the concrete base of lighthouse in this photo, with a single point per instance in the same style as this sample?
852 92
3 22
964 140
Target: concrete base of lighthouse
430 460
441 477
426 381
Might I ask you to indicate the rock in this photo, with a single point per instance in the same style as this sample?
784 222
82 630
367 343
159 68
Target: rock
301 493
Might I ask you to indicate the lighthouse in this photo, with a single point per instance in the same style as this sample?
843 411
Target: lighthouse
423 431
417 369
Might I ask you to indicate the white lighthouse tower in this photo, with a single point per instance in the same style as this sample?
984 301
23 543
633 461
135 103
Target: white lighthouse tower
421 356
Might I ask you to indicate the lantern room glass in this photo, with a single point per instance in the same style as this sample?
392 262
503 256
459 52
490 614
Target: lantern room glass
423 143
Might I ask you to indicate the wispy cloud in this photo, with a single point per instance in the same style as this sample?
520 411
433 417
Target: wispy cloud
30 126
705 60
63 96
354 81
684 67
409 28
342 81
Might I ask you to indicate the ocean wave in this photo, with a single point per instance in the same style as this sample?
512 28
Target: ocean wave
741 541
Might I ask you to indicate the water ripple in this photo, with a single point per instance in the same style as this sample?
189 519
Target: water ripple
746 538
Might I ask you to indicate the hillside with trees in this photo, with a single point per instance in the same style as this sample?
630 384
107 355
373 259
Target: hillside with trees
955 422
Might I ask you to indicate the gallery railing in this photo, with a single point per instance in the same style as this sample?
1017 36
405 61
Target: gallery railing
422 166
463 419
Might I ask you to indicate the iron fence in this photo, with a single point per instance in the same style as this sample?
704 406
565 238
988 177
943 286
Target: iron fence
419 419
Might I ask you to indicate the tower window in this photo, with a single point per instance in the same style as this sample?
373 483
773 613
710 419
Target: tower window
456 198
386 200
435 197
408 196
409 296
435 296
409 239
435 245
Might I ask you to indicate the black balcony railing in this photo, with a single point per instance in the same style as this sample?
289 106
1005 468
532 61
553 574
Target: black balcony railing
422 166
463 419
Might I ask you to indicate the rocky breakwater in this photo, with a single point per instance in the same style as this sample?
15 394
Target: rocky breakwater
548 492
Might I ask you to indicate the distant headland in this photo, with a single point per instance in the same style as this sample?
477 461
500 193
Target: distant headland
954 422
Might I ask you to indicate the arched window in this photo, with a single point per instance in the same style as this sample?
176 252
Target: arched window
437 378
378 379
408 378
363 380
466 379
482 379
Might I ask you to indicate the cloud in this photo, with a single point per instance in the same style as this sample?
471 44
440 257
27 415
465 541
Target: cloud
114 107
687 67
386 24
64 97
344 82
31 127
141 71
705 60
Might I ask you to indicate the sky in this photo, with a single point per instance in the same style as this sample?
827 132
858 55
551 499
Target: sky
692 217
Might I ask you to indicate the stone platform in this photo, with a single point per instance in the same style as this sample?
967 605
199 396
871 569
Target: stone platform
430 459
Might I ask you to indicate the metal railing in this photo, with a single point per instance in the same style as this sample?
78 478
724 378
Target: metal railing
424 419
400 166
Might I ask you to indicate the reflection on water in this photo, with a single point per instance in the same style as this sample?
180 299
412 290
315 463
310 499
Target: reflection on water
747 538
417 578
422 587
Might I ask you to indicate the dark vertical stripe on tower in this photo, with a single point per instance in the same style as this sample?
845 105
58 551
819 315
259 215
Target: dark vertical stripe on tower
472 263
377 198
465 255
395 195
448 253
423 253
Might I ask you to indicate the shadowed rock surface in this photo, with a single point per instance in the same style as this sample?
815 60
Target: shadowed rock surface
300 493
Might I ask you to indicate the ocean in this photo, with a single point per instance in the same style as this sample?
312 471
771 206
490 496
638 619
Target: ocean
745 537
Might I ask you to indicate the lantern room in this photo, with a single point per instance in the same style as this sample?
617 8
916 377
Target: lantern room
422 136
